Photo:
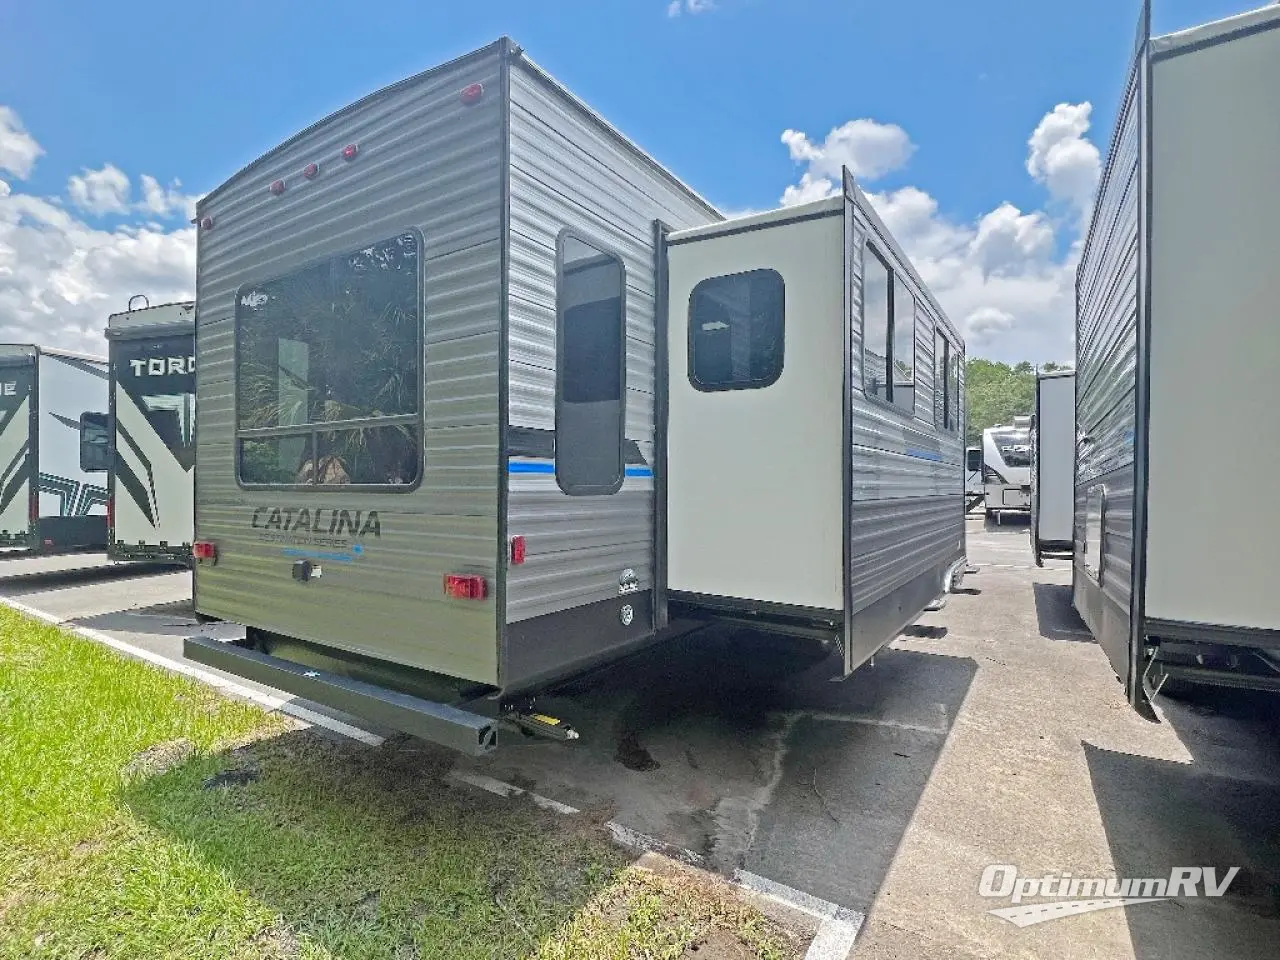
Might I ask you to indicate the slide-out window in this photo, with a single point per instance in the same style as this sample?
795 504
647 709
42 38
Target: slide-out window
329 371
736 331
591 367
888 333
946 383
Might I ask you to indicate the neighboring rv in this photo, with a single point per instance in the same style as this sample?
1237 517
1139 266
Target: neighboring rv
55 446
487 397
1006 468
153 393
974 491
1053 464
1178 344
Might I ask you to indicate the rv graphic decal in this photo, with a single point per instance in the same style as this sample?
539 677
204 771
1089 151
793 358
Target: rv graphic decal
8 389
163 366
324 520
16 474
75 499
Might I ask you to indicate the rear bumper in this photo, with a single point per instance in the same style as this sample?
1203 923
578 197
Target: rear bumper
468 733
149 551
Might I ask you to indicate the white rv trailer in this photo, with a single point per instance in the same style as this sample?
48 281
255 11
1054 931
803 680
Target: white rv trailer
55 447
1053 465
1177 340
1006 468
486 396
153 394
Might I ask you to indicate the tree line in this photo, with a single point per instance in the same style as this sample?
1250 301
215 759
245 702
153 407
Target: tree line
997 392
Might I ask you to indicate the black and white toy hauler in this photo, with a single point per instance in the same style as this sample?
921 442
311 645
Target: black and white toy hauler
55 447
487 396
1178 342
153 392
1006 468
1053 464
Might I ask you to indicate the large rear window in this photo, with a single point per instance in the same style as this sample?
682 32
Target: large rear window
329 371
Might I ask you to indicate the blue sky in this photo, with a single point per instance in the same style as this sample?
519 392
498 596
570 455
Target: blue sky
184 93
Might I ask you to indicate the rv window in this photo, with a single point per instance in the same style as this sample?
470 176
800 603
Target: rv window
973 459
329 371
946 383
904 345
736 331
95 442
875 326
591 358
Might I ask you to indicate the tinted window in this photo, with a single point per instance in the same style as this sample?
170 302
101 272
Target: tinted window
159 377
1014 447
941 364
953 387
95 442
590 368
904 346
736 331
875 325
329 371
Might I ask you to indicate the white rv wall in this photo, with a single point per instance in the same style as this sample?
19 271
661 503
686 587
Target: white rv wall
754 488
69 386
1213 543
1054 478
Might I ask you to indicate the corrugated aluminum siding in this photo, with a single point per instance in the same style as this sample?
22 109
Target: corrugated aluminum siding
907 515
428 162
1107 350
569 170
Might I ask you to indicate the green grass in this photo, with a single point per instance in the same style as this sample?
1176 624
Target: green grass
122 835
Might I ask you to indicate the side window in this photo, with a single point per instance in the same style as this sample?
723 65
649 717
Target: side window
591 362
1095 506
888 334
875 325
95 442
946 383
736 331
904 346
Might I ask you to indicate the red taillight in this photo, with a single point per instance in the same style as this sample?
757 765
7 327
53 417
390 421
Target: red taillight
349 151
311 171
206 223
471 94
465 586
517 550
111 513
204 550
277 187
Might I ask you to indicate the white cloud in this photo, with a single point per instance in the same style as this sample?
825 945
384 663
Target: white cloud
1006 278
1061 158
18 149
60 277
677 7
100 191
109 190
869 149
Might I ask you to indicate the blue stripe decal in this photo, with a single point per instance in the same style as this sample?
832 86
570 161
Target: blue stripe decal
924 455
526 466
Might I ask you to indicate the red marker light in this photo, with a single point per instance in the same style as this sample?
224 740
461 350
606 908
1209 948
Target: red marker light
311 171
349 151
517 550
277 188
204 550
471 94
465 587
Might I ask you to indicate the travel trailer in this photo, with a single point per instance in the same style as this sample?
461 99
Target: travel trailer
55 447
487 397
1006 468
1053 464
153 393
1177 341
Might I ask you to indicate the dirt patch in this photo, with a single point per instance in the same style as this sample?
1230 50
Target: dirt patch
159 758
718 945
